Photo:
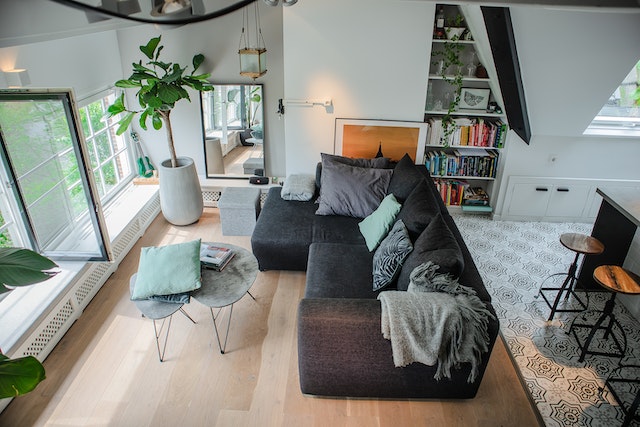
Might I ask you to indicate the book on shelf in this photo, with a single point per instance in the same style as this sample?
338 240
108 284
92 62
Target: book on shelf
473 132
475 196
215 257
451 191
474 161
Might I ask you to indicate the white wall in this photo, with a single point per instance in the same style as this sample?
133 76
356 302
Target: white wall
83 63
571 62
369 56
217 40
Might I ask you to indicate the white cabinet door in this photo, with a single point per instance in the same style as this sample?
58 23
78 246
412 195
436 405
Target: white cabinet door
568 200
529 199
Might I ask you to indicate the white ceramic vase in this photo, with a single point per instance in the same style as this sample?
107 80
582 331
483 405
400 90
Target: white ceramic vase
180 193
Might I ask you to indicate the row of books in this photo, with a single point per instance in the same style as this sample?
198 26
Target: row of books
451 191
215 257
477 162
477 132
460 193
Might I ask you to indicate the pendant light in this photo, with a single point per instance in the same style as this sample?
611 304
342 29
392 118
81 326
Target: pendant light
253 55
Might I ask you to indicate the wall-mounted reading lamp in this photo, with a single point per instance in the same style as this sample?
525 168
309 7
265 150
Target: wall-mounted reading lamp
17 78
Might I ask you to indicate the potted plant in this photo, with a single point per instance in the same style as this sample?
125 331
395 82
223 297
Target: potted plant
455 27
21 267
160 86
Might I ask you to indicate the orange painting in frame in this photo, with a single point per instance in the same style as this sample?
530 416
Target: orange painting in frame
364 138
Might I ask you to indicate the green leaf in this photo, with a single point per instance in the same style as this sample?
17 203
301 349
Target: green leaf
150 47
127 83
140 67
197 61
143 118
169 94
19 376
142 76
175 75
161 64
156 120
21 267
117 107
158 52
124 123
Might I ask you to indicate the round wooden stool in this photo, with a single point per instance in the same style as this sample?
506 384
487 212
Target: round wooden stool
581 244
616 280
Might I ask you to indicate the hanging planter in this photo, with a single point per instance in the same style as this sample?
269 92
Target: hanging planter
253 55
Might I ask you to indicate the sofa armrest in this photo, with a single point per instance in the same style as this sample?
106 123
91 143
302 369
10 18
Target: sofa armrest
341 352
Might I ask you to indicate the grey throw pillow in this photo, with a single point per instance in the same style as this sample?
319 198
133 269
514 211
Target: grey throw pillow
388 258
351 190
299 187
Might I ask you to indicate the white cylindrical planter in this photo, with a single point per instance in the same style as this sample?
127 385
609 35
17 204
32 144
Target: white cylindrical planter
180 193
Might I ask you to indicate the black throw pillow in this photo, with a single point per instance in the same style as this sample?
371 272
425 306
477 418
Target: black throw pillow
438 245
419 209
404 179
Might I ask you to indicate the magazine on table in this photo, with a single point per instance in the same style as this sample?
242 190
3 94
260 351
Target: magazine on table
215 257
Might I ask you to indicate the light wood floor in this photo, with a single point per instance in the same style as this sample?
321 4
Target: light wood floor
105 371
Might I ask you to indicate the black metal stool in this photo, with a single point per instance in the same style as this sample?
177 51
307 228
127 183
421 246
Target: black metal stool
616 280
580 244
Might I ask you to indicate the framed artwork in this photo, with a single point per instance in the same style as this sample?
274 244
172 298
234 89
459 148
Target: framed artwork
474 99
367 138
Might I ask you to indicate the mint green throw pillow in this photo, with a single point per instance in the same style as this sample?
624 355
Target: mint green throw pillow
375 227
167 270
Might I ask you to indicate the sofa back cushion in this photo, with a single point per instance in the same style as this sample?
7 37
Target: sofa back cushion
377 163
436 244
351 190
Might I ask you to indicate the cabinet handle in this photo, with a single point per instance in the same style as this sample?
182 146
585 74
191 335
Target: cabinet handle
541 189
562 189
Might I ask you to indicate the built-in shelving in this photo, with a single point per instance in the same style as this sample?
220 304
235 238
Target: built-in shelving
455 149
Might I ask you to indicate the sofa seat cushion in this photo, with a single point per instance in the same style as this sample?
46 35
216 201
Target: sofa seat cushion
283 233
337 229
338 270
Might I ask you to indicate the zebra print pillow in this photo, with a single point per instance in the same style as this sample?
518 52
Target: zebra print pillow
388 258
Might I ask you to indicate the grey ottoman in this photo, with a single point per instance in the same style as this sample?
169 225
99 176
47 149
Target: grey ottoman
239 209
251 164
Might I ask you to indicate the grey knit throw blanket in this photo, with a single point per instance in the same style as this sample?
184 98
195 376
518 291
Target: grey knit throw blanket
437 320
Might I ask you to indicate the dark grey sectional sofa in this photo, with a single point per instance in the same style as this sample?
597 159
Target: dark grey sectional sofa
341 350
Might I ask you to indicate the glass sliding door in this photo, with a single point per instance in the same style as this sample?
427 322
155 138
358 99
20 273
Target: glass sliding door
50 174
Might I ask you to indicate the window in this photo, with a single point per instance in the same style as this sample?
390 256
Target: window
620 116
108 153
47 170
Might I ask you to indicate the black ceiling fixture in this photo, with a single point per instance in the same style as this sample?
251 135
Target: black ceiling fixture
505 56
169 12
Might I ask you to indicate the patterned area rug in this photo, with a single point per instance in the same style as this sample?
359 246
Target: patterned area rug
514 258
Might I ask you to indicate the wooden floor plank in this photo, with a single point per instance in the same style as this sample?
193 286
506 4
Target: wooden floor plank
105 371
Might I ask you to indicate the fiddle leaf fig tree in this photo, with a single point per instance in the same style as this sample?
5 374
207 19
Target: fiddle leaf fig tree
21 267
160 86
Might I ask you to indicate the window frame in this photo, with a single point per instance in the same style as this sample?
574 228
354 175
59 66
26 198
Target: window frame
94 212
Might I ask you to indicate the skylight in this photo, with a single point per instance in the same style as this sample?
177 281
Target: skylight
620 116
